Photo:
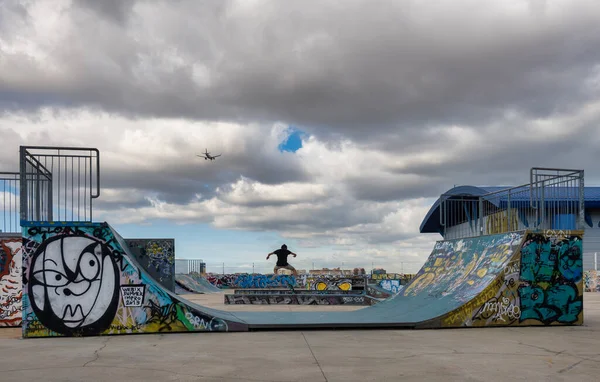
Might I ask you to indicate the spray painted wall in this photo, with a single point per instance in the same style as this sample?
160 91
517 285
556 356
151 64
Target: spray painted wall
81 280
591 281
157 256
541 285
10 281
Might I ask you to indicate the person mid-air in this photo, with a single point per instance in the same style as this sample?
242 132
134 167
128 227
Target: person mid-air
282 263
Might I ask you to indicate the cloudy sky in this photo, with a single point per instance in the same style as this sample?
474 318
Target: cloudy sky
393 103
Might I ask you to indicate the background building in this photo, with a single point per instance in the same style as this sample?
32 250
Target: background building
186 266
456 215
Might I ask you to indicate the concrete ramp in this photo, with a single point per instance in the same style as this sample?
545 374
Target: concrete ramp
82 280
195 283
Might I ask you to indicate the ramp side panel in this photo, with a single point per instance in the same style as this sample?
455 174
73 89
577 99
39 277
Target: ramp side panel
82 281
542 285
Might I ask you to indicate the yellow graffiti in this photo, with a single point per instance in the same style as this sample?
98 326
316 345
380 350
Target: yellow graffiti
499 222
392 276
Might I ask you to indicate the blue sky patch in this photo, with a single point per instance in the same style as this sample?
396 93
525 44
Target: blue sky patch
294 141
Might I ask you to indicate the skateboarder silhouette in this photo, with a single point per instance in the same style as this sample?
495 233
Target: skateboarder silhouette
282 263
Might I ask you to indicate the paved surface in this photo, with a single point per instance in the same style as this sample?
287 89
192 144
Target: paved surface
486 354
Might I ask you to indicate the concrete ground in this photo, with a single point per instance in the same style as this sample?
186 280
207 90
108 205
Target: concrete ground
487 354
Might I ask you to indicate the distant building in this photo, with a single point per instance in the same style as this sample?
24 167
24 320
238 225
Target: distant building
461 217
186 266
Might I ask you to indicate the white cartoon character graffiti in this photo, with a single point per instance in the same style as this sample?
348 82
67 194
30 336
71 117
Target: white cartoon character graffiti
74 285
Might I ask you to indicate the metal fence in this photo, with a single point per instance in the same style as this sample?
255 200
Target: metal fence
58 183
553 199
9 201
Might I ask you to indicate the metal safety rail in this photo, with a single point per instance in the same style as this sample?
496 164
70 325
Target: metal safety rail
58 183
9 202
554 199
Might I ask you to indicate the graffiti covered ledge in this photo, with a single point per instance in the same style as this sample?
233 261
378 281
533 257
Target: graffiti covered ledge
80 280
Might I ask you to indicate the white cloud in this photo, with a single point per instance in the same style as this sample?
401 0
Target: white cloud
417 98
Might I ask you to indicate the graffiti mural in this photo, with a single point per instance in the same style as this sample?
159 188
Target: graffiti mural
74 284
221 281
462 268
335 282
297 299
157 256
378 292
503 307
391 285
81 281
551 279
404 278
10 281
297 291
541 285
591 281
264 281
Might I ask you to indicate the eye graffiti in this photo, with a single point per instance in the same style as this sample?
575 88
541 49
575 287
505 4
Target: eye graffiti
74 285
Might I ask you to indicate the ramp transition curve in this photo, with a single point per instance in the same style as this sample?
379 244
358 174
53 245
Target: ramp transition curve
195 283
80 279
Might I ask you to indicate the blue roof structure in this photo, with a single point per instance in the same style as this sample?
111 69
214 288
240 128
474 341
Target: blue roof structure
431 222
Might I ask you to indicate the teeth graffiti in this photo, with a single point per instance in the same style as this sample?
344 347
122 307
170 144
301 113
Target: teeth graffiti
73 317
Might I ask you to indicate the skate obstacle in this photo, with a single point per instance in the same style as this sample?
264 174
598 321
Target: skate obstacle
82 280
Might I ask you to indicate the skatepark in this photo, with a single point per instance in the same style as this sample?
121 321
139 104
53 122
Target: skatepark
516 292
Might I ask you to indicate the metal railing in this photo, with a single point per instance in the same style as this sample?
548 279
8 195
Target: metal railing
9 202
58 183
554 199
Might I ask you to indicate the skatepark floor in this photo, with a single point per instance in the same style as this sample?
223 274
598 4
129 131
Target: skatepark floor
567 353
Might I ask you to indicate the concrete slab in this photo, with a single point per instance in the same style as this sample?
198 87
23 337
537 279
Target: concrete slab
566 353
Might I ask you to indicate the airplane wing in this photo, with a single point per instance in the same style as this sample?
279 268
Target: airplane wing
217 156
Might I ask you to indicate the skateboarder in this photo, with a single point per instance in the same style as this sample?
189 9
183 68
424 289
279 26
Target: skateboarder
282 263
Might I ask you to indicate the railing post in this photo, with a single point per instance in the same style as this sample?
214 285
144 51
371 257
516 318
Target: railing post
38 197
23 177
50 204
543 208
481 216
581 201
508 214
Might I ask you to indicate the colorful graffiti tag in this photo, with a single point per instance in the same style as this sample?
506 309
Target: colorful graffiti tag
591 281
81 281
335 282
551 279
264 281
157 256
404 278
10 281
392 286
297 299
541 285
462 268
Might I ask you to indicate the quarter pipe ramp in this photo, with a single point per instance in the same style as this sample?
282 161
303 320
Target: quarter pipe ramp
81 279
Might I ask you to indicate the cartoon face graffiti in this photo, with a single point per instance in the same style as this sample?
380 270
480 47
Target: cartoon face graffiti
74 285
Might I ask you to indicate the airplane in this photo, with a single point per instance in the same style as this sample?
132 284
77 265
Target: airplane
208 156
